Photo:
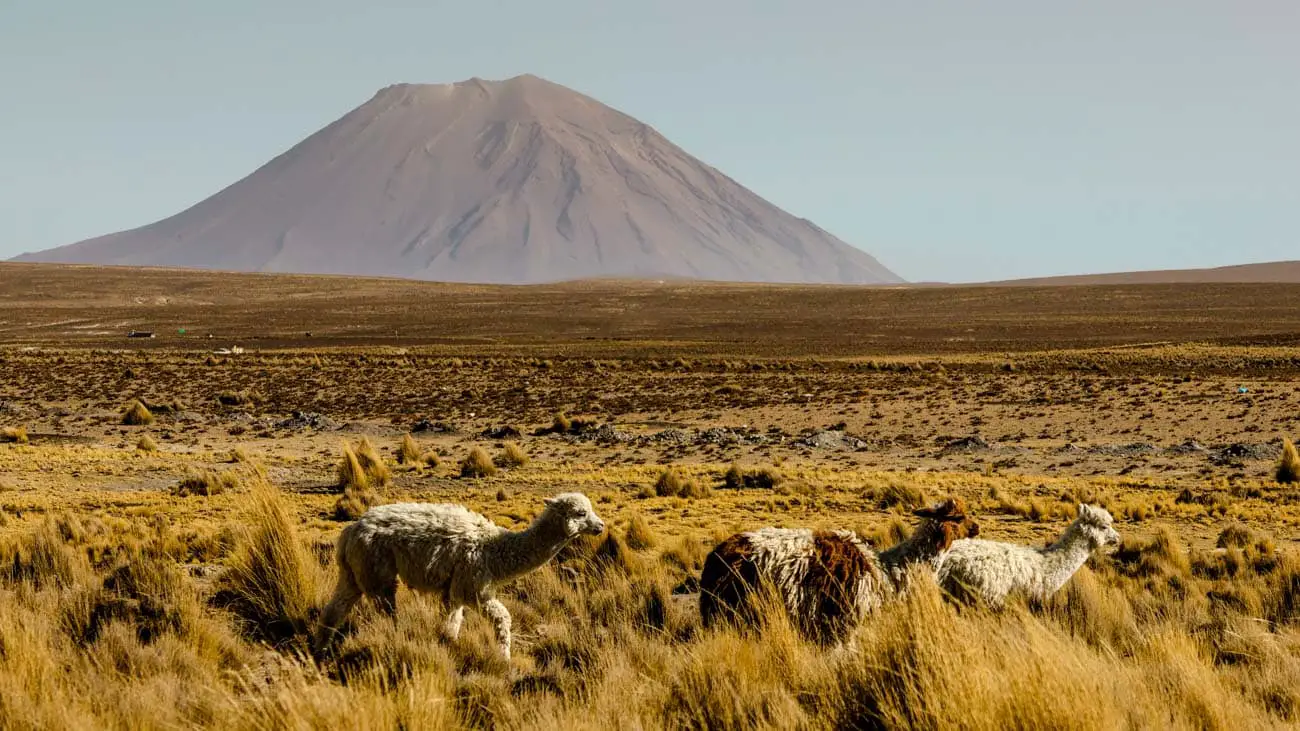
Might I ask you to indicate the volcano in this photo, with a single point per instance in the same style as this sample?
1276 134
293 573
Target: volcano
515 181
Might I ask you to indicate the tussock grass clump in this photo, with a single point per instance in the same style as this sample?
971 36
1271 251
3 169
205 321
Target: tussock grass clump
692 489
1288 467
208 483
234 398
477 464
763 479
165 407
669 483
756 479
738 692
13 434
923 665
892 533
672 484
373 464
1282 597
408 452
353 504
686 556
1042 512
137 414
734 479
1099 614
43 557
613 554
146 444
1161 561
271 581
1238 535
564 424
512 456
361 467
358 484
148 594
639 535
895 493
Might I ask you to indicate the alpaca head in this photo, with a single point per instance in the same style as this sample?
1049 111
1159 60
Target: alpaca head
573 510
950 521
1096 525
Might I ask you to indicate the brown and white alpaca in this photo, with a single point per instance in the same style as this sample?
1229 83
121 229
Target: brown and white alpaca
827 580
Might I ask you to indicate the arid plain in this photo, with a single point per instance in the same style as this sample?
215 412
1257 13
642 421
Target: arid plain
165 573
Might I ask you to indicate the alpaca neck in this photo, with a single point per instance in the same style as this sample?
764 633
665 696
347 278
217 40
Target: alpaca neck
514 553
1063 558
924 546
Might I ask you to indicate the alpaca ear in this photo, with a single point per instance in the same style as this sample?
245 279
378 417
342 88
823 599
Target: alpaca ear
948 510
549 501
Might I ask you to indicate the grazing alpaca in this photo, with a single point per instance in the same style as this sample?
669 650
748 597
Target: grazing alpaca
449 551
827 580
988 570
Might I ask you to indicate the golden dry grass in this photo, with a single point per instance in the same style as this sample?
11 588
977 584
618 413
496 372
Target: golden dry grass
13 434
408 452
477 464
137 414
207 483
1157 635
376 469
361 473
1288 467
512 456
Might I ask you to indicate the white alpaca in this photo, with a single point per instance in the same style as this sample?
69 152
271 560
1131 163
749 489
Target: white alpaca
991 571
450 551
827 580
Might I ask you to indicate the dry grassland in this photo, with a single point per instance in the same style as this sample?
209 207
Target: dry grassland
165 572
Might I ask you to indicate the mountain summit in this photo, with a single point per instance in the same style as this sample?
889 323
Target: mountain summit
511 181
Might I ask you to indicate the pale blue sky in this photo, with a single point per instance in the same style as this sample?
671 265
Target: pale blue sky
955 140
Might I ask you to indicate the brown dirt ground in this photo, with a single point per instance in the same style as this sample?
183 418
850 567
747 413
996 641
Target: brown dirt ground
1070 389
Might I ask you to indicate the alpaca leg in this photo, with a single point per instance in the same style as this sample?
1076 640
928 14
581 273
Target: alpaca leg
346 595
501 621
845 647
386 600
455 619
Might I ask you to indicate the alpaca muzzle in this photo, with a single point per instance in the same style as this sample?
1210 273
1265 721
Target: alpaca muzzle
594 527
